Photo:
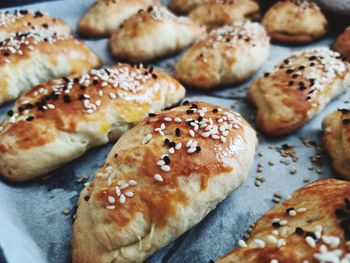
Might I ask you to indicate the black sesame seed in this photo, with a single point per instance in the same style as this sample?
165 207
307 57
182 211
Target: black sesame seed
30 118
312 58
178 132
200 118
172 144
340 213
276 224
95 82
166 159
289 209
45 25
152 114
347 235
346 121
23 12
215 110
20 109
194 106
38 14
289 71
301 67
150 69
82 87
312 64
29 106
166 141
81 97
150 9
198 149
10 113
291 83
76 80
266 74
67 99
344 111
86 198
154 76
294 76
55 96
189 112
65 79
211 261
186 102
311 234
299 231
286 61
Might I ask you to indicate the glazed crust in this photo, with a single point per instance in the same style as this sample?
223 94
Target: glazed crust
105 16
226 56
23 20
29 58
295 21
342 44
128 212
320 200
64 118
336 138
184 6
217 13
151 34
298 89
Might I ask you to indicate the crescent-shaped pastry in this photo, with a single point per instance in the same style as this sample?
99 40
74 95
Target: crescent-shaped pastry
295 21
184 6
228 55
105 16
29 58
217 13
58 121
342 44
24 20
312 226
152 34
298 89
336 138
160 179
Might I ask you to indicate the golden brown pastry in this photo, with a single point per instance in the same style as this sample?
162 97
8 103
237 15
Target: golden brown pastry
29 58
217 13
24 20
152 34
159 180
64 118
342 44
312 226
226 56
105 16
336 138
298 89
184 6
295 21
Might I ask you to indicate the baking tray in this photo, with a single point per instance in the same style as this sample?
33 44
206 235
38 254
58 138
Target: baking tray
33 227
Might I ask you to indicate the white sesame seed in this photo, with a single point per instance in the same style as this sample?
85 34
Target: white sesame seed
189 143
260 243
281 242
274 261
162 126
111 199
146 139
129 194
191 132
104 84
276 219
205 134
167 119
117 191
215 137
301 210
242 243
100 93
223 139
165 168
124 186
112 96
122 199
271 239
120 182
178 120
310 241
161 163
292 213
283 222
50 106
111 207
178 146
132 182
191 150
172 150
158 178
90 111
98 102
275 232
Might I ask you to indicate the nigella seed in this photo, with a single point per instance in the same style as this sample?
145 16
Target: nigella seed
152 114
312 58
312 64
211 261
166 159
189 112
86 198
199 118
30 118
276 224
65 79
299 231
10 113
340 213
286 61
178 132
66 99
29 106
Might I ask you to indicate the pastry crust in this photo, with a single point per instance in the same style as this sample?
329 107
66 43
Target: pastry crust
184 6
298 89
29 58
336 138
342 44
64 118
24 20
217 13
226 56
311 226
158 181
151 34
105 16
295 21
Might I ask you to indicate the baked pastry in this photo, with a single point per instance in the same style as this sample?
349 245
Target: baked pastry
63 118
342 44
217 13
311 226
105 16
336 138
184 6
298 89
151 34
226 56
24 20
29 58
295 21
160 179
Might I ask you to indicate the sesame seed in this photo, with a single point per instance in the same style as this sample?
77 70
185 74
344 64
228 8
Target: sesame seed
111 199
260 243
129 194
111 207
191 132
158 178
124 186
122 199
178 120
310 241
117 191
165 168
112 96
178 146
132 182
242 243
